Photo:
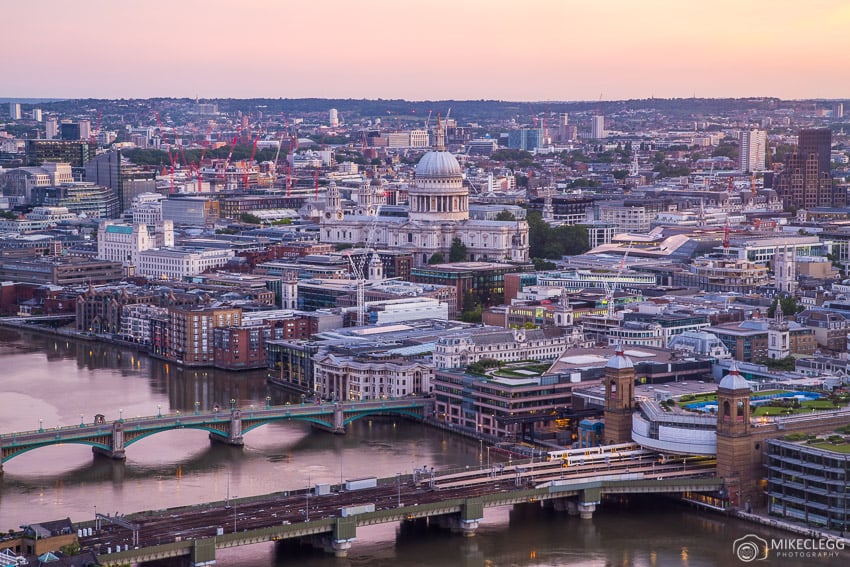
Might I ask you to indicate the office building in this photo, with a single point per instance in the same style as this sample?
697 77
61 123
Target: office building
838 110
69 131
752 150
94 201
333 118
123 178
75 152
807 479
36 114
526 139
15 110
806 180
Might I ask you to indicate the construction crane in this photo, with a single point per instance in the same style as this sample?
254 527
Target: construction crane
94 133
359 268
612 287
230 156
251 159
162 141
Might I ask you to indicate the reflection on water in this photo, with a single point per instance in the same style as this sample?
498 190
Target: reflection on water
58 380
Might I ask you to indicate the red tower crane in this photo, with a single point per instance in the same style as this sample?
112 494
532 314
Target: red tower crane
162 140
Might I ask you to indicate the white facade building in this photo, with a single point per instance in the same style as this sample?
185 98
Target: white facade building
123 243
356 378
753 144
333 118
504 345
175 263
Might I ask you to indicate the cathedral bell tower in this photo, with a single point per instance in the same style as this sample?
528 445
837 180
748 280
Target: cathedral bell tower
619 398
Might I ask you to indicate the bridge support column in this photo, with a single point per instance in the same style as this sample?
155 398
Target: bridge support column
116 448
588 500
339 419
203 553
471 514
234 435
345 531
586 510
565 505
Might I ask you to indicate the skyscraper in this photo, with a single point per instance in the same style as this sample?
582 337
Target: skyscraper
752 144
597 127
333 118
15 110
806 179
838 110
818 142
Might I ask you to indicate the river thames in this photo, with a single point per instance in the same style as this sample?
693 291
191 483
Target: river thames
50 381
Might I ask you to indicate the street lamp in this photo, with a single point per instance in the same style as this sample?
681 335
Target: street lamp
232 404
398 478
40 424
121 415
197 408
159 410
81 420
268 402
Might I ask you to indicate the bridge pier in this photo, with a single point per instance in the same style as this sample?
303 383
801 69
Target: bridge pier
465 522
116 446
339 420
589 499
586 510
234 434
338 542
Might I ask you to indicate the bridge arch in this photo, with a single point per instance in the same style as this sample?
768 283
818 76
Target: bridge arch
130 438
259 422
11 452
382 412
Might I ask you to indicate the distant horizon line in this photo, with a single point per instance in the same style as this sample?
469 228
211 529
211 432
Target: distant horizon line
33 99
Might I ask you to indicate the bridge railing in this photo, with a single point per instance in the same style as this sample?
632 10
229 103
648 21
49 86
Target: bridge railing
220 416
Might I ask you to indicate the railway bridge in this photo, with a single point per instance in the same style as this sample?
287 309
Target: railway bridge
454 500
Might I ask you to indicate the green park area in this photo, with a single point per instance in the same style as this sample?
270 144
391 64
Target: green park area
839 441
777 406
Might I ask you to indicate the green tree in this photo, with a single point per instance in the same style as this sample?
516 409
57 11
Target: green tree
458 251
505 215
248 218
437 258
789 306
541 264
726 150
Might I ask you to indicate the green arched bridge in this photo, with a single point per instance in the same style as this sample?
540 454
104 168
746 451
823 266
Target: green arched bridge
112 438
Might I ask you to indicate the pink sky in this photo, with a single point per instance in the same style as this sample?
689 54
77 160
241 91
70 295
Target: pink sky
463 49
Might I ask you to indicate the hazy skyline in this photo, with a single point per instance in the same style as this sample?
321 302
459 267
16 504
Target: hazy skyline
417 50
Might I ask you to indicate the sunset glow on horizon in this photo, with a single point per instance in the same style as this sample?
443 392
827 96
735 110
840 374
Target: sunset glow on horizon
417 50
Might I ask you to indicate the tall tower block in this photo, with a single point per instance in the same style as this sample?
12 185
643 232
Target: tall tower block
619 398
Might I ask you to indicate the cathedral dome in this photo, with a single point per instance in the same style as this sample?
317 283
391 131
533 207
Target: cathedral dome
438 164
